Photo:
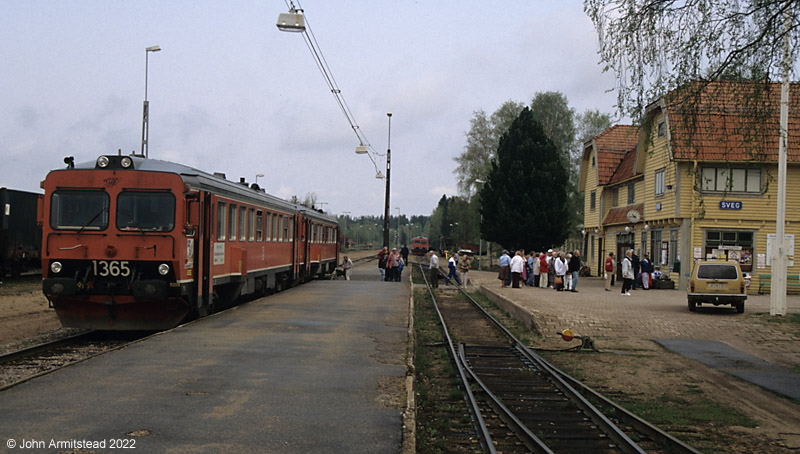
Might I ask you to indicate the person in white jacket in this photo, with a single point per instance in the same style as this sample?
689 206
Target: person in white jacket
517 264
627 273
561 270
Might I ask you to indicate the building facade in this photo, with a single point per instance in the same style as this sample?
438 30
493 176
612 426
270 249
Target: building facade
694 184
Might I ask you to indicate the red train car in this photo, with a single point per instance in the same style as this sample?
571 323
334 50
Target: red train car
419 245
136 244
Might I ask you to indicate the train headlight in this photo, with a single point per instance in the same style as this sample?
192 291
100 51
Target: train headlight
163 269
125 162
102 162
56 267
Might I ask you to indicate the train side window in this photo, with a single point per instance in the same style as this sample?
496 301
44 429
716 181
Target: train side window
251 224
291 229
221 221
280 227
79 210
268 226
232 222
259 225
242 223
274 226
286 228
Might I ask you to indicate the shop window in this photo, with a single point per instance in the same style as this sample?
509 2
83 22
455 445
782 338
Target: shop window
655 246
730 245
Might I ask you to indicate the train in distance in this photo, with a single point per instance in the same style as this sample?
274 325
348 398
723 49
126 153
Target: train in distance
131 243
419 245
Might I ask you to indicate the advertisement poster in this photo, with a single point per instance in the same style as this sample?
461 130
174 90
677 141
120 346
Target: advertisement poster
788 243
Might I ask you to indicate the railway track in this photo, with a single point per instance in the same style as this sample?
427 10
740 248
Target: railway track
521 403
23 365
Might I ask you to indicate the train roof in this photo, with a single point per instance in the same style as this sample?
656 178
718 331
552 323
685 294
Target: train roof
198 179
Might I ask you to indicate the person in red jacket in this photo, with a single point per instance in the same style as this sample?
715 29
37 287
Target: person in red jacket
543 269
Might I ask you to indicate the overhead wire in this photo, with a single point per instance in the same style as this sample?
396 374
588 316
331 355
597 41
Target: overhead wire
327 74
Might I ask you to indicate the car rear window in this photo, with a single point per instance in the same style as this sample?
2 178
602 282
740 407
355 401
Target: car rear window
717 272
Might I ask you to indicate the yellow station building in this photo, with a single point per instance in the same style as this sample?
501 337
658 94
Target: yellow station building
681 188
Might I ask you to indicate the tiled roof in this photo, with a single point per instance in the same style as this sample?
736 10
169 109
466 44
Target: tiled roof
620 215
733 121
625 169
612 145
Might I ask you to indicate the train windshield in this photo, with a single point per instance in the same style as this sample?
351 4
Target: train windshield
146 211
79 210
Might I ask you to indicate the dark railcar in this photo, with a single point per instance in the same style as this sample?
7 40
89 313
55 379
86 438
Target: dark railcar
20 235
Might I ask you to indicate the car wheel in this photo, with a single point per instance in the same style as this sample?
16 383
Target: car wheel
739 308
692 306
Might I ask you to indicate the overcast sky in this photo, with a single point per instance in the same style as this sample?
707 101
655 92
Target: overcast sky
230 93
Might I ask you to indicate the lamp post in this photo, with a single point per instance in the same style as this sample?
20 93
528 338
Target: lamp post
397 235
258 175
480 237
347 213
388 170
146 108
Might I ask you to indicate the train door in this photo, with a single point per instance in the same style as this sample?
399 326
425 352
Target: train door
203 220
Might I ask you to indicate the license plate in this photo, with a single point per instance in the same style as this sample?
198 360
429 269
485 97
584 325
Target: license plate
717 286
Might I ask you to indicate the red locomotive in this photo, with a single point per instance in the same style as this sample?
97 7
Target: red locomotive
419 245
140 244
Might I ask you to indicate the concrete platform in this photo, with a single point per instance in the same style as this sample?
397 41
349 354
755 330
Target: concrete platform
318 368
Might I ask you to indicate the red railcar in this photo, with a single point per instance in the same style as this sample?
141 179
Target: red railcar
133 243
419 245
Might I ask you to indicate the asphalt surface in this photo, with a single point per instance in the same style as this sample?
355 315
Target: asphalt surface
729 360
318 368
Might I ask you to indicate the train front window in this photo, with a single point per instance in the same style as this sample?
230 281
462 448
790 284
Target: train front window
79 210
146 211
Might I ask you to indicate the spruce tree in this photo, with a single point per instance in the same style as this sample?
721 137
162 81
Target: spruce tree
524 201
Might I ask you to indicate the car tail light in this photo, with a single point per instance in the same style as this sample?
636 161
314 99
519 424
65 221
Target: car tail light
691 286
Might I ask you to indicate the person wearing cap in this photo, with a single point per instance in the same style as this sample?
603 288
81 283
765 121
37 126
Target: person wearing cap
464 264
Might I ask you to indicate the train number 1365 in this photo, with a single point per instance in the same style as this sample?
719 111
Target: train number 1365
113 268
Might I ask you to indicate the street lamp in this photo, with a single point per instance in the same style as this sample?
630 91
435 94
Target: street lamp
388 169
146 108
258 175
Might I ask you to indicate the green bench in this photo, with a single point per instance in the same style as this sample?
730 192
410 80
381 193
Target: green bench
765 281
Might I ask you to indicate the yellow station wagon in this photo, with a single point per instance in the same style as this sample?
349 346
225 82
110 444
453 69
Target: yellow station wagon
717 282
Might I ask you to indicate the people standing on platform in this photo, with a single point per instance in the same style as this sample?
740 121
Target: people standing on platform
451 266
464 264
517 264
609 267
505 269
561 271
404 253
347 265
627 273
383 256
529 269
574 269
434 269
535 267
391 265
400 265
645 264
636 267
544 270
551 275
568 276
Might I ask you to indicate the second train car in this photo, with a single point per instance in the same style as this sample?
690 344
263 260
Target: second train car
141 244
